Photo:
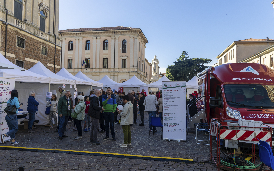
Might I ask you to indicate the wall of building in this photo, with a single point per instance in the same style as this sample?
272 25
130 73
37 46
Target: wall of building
32 53
246 50
31 17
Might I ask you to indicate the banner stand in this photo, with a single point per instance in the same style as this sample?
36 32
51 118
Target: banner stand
174 110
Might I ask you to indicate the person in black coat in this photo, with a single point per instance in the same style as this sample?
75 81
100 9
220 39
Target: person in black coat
101 120
192 105
142 108
94 112
135 106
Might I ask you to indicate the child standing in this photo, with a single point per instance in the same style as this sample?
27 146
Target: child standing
53 109
87 117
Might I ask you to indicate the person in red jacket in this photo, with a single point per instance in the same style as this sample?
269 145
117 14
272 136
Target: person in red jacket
87 117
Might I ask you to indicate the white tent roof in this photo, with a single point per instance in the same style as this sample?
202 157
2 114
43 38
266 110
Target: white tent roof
64 73
18 73
133 82
193 83
158 84
84 77
107 82
39 68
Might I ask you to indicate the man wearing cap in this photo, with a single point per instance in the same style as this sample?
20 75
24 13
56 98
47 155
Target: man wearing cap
64 111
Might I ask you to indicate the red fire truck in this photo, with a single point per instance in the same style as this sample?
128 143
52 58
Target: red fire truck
239 106
239 91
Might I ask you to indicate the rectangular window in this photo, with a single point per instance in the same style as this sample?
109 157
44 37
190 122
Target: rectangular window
20 63
233 54
44 50
69 63
124 63
18 8
220 61
271 61
225 58
87 60
20 42
105 63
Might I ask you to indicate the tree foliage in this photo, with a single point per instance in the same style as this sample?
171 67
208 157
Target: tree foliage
185 68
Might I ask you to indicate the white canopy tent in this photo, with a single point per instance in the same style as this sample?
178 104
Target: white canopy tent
25 82
193 83
40 69
107 82
133 82
64 73
158 84
82 85
84 77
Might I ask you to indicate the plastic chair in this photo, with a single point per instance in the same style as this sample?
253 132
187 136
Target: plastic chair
156 122
265 154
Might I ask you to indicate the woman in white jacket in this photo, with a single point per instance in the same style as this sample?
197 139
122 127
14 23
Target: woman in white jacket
80 110
126 119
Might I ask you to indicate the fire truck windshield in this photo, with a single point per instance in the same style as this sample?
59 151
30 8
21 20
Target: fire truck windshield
249 95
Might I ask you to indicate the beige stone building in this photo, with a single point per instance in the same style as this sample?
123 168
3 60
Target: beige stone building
242 49
31 29
263 57
118 52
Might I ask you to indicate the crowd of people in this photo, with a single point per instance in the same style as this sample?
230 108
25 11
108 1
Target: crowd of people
96 113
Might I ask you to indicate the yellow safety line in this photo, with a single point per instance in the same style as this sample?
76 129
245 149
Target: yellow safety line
90 152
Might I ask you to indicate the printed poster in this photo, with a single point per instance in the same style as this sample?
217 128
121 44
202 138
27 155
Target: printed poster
6 86
174 110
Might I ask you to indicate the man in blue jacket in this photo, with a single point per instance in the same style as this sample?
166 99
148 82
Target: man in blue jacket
32 109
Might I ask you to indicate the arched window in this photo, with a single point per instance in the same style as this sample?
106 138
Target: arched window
87 45
105 45
124 46
70 45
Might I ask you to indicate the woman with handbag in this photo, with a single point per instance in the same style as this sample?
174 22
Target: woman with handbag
11 117
79 115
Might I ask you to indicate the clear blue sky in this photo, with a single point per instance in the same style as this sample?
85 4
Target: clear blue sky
203 28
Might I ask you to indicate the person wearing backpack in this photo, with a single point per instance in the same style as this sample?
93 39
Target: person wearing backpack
11 117
53 109
80 111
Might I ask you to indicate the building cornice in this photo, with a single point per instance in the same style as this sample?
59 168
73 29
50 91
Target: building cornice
81 32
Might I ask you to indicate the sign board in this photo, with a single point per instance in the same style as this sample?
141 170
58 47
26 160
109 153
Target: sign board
6 86
174 110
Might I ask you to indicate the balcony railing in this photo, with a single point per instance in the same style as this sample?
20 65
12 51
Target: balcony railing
20 24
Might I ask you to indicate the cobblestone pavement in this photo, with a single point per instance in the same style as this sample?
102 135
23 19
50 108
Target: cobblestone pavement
142 144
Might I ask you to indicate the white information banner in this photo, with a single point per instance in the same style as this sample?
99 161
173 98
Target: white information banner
174 110
6 86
